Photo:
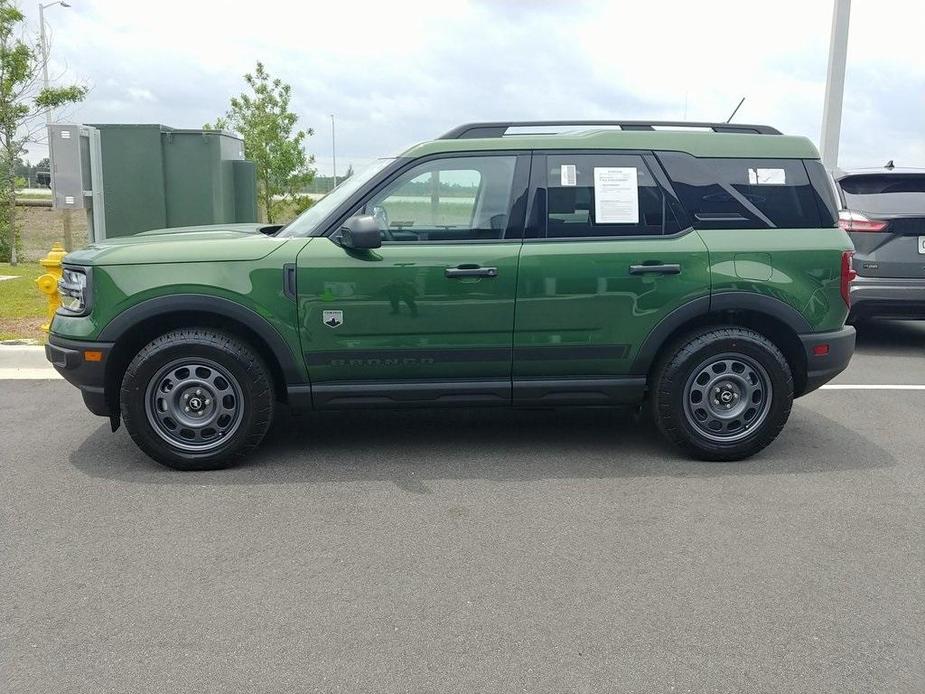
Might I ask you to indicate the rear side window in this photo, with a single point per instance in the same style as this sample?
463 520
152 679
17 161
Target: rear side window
885 193
727 193
604 195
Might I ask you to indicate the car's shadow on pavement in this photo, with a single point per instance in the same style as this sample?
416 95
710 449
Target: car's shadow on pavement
890 336
414 447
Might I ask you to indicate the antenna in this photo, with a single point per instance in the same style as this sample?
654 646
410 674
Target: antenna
736 110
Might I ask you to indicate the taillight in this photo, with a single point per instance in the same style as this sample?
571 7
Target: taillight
847 276
849 220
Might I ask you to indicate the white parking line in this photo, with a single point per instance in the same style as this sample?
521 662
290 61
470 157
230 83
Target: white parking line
866 386
28 374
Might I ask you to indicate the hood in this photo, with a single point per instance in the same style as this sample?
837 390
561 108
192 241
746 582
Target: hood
216 242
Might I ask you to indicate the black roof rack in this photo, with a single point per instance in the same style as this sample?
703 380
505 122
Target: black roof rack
498 129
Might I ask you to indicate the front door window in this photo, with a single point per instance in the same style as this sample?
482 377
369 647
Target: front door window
454 199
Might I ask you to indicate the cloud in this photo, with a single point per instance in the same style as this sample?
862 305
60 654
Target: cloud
141 94
396 73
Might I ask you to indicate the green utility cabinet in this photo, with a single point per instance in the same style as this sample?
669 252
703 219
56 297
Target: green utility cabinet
156 177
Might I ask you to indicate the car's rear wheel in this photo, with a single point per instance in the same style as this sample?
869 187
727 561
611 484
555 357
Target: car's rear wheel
197 399
722 393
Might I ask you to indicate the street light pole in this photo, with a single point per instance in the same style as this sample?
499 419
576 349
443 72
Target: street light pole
43 42
44 45
333 153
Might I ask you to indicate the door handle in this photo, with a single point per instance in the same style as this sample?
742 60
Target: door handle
660 269
470 271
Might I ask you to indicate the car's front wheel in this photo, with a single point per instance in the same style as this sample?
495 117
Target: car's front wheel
722 393
197 399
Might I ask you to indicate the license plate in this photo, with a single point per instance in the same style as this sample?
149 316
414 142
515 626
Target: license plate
922 245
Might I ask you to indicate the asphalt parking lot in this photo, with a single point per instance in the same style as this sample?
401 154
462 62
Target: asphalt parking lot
477 551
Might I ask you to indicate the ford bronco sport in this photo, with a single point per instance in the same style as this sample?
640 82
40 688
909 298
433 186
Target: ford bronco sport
697 270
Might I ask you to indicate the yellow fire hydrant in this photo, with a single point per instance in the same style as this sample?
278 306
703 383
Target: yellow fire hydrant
48 283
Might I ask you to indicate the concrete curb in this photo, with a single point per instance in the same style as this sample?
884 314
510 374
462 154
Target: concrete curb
25 362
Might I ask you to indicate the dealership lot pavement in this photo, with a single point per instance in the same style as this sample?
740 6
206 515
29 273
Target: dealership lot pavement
488 550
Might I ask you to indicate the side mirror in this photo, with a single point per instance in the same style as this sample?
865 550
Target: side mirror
361 233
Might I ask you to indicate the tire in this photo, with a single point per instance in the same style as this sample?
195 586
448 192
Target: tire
197 399
722 393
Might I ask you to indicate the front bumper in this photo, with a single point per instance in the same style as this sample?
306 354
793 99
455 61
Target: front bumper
822 368
71 359
887 297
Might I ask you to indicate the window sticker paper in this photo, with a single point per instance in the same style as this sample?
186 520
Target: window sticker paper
569 174
767 177
616 195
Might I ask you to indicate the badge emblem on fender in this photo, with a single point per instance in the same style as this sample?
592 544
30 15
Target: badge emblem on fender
332 319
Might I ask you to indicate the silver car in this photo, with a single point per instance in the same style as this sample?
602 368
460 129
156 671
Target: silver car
883 210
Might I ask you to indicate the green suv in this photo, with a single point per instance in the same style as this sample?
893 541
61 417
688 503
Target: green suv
697 269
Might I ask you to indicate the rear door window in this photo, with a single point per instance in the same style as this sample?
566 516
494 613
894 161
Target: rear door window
604 195
732 193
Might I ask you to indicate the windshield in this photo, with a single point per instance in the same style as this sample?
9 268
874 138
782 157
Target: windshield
306 222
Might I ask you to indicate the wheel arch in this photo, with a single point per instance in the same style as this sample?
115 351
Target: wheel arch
133 329
776 320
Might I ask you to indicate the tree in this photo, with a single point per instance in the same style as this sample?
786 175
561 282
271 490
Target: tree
262 117
25 170
24 104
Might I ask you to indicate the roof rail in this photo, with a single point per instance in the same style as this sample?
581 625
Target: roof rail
498 129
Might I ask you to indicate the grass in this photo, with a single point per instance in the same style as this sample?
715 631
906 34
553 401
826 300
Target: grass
22 306
447 213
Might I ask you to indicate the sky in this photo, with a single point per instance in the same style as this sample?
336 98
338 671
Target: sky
397 73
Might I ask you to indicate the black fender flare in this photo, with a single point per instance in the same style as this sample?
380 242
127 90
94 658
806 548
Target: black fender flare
721 301
203 303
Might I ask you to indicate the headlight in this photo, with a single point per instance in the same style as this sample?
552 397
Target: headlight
74 290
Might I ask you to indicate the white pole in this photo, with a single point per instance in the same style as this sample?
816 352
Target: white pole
835 84
333 152
44 46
